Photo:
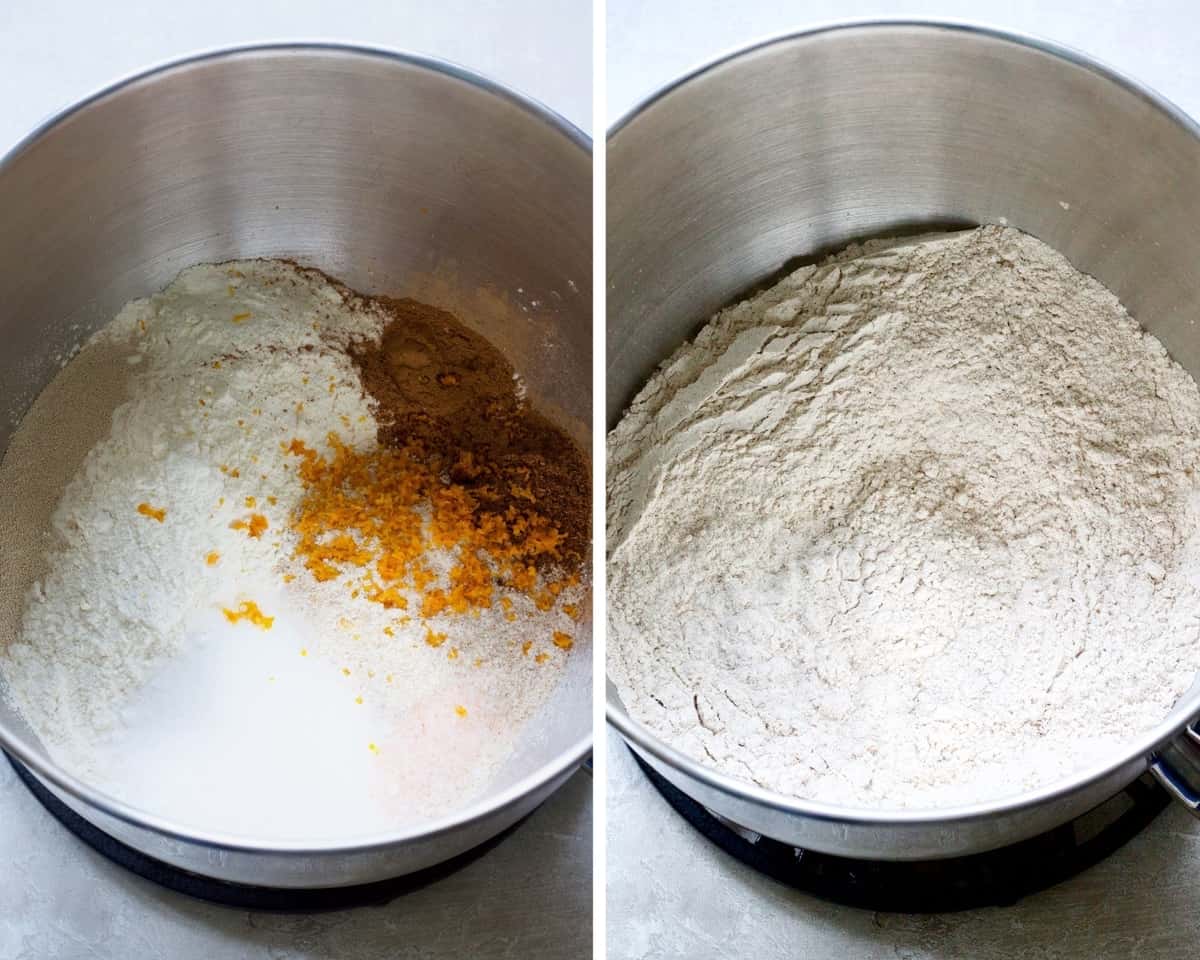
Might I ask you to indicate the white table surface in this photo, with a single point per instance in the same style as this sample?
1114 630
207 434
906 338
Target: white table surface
530 897
671 893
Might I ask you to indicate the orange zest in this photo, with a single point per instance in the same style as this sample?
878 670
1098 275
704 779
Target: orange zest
254 525
248 610
377 512
154 513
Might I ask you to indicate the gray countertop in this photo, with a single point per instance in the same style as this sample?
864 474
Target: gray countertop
531 896
528 897
673 894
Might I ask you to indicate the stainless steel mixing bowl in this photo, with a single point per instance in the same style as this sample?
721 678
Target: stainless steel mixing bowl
395 173
804 143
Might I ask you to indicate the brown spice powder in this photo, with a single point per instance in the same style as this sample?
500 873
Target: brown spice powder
445 391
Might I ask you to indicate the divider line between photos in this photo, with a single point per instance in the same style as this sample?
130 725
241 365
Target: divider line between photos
599 618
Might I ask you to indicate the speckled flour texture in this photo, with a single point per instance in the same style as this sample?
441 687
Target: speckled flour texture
918 526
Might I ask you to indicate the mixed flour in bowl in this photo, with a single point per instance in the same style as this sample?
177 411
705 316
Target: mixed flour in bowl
248 591
917 526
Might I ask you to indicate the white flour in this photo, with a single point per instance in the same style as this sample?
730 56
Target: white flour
126 666
917 526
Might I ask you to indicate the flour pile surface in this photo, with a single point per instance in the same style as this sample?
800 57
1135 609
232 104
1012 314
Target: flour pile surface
174 650
918 526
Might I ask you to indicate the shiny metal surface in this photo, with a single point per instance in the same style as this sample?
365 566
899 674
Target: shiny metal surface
1177 767
804 143
398 175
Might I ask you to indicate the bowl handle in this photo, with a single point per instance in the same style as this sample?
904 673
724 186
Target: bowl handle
1177 767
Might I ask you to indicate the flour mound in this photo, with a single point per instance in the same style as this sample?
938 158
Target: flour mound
918 526
166 522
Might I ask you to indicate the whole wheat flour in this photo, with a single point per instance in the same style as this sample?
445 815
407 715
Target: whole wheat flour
166 638
918 526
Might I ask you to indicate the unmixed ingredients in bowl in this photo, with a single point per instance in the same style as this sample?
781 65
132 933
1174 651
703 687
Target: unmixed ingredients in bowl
918 526
284 561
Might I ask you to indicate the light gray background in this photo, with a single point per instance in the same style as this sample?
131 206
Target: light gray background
671 894
530 897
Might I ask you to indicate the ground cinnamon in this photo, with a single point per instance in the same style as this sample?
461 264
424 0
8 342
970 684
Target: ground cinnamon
446 392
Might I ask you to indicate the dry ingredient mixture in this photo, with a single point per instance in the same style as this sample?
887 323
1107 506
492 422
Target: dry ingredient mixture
918 526
299 538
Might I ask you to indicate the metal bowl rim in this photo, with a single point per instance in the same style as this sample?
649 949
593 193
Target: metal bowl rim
1034 42
216 840
1144 745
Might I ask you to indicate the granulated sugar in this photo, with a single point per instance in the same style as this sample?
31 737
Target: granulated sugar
160 636
917 526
